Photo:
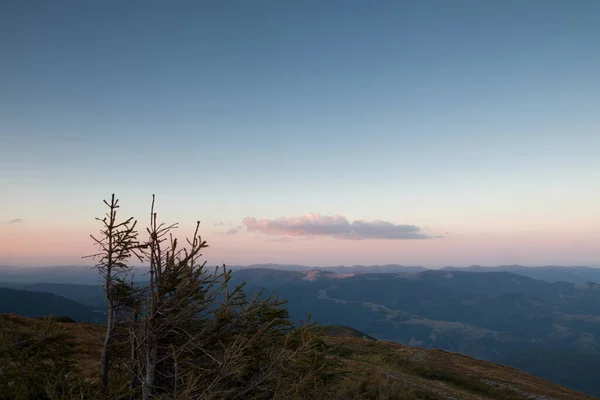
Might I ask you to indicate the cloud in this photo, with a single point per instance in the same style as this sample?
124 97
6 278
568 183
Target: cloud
231 231
16 221
220 223
335 226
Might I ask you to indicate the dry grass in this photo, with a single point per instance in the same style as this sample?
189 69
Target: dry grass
438 374
88 339
386 371
381 370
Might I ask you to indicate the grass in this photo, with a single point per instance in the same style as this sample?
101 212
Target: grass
378 370
345 331
88 340
390 371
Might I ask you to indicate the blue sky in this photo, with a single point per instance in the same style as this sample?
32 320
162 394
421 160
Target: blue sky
460 117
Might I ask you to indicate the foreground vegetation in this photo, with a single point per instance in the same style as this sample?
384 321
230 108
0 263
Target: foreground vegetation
61 360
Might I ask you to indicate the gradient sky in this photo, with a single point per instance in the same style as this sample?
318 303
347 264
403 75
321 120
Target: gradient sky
316 132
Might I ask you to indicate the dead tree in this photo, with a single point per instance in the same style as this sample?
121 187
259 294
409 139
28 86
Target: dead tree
117 243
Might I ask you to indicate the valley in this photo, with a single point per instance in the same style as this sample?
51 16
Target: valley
546 328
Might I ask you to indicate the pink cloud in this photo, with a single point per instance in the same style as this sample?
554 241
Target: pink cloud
335 226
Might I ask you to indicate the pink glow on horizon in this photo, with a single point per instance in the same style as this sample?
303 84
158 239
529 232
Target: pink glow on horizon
23 245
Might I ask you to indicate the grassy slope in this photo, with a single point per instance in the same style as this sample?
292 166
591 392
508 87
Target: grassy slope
385 370
345 331
412 372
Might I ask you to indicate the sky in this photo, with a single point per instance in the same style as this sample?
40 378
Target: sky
425 132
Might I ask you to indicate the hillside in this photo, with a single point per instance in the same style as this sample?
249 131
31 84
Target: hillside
40 304
384 370
551 330
345 331
90 295
406 372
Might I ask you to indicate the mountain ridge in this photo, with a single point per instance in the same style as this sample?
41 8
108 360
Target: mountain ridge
87 275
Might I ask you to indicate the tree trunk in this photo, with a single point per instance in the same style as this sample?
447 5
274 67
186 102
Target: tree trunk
105 349
151 354
134 354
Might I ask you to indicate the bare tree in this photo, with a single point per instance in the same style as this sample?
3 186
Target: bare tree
117 243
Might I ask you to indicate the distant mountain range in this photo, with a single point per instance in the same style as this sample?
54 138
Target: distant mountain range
543 320
87 275
573 274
